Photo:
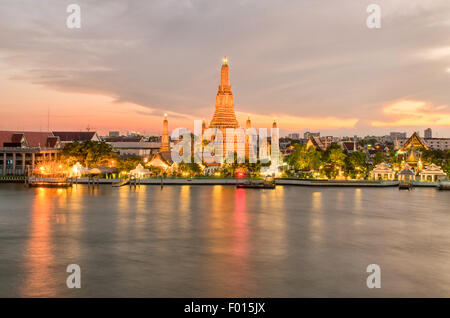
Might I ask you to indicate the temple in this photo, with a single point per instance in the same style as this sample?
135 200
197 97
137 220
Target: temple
224 116
243 145
165 135
410 152
413 142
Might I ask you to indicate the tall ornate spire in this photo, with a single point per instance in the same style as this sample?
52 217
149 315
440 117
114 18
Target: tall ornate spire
165 135
224 116
248 125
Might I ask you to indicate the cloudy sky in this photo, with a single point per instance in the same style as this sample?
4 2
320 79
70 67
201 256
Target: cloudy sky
312 65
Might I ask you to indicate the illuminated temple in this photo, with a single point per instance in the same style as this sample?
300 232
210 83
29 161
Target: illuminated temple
224 116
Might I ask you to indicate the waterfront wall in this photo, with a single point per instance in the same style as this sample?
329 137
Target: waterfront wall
217 181
233 182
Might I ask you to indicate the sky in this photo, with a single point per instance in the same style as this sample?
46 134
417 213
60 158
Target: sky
310 65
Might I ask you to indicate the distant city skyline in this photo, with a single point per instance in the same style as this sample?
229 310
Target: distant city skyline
310 65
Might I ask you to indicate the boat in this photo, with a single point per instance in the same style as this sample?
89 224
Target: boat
35 182
267 183
404 185
443 184
121 183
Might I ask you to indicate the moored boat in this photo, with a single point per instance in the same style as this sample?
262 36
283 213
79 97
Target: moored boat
34 182
267 183
404 185
443 185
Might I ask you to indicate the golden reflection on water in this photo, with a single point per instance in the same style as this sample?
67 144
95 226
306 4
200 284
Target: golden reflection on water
38 255
317 201
316 218
123 218
357 200
271 215
142 210
184 205
240 227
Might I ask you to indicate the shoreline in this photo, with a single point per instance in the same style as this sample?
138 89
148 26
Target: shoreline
233 182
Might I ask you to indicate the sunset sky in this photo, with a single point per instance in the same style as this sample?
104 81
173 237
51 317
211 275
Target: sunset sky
311 65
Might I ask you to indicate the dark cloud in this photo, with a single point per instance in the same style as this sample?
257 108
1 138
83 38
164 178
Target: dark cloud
301 58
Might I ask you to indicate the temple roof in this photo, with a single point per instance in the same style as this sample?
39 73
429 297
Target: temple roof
412 157
433 169
28 138
414 142
70 136
383 167
315 142
407 172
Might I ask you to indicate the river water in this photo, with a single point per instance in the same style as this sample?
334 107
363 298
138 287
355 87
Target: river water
218 241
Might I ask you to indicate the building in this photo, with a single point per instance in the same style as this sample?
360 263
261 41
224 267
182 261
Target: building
163 158
382 171
79 136
165 146
128 146
432 173
397 135
308 134
315 142
124 139
438 143
20 151
428 134
144 149
114 134
224 116
407 174
427 143
350 146
415 141
328 140
295 136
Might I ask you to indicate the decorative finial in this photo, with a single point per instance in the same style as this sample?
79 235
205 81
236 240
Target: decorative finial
225 60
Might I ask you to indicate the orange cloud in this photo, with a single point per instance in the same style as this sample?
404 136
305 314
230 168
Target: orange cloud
414 113
297 122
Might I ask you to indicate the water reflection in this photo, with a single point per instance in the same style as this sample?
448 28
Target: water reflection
38 253
184 204
220 241
316 218
240 228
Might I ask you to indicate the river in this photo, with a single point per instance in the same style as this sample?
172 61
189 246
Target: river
218 241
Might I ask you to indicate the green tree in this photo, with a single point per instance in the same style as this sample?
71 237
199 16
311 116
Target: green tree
379 157
129 163
337 157
89 153
356 163
193 169
304 159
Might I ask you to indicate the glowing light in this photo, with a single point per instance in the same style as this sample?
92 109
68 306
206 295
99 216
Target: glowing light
225 60
76 170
